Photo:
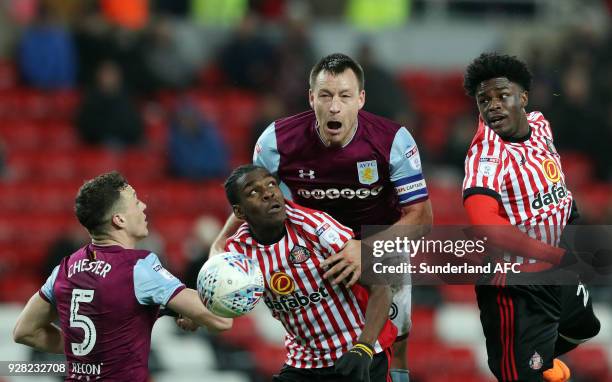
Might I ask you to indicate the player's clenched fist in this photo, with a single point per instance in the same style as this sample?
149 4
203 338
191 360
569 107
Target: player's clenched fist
355 363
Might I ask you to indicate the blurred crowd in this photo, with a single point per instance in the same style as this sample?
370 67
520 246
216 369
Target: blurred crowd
121 53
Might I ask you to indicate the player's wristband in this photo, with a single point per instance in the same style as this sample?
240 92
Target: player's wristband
369 350
167 312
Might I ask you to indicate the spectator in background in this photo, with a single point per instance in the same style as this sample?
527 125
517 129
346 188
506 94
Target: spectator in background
64 245
219 12
164 58
196 150
132 14
379 14
385 96
297 57
205 230
249 61
107 115
92 35
272 108
47 57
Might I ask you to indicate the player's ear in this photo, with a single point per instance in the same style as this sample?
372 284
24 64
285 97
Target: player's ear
361 98
238 212
311 98
118 220
524 96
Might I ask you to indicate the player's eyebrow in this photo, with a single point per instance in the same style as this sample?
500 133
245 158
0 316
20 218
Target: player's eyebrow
249 184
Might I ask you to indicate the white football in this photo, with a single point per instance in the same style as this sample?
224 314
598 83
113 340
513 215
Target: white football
230 284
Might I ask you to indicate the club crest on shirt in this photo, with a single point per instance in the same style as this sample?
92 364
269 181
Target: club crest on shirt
536 362
299 254
487 165
367 172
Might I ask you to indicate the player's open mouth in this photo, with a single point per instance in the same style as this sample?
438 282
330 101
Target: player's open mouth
334 125
274 208
497 121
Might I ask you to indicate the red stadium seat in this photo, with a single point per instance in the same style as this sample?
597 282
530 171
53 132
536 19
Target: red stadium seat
242 334
142 165
59 135
8 75
95 161
589 363
20 135
426 356
269 359
458 293
423 322
19 287
446 375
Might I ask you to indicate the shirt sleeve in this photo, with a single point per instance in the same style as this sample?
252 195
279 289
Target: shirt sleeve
330 234
153 284
266 155
46 291
485 168
405 169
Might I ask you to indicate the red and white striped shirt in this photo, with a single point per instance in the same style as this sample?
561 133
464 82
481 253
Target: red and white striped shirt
525 176
322 320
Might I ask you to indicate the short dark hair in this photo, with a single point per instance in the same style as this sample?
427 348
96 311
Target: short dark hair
231 189
335 64
493 65
96 199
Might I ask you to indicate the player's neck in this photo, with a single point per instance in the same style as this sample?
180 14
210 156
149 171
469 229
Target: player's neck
268 235
523 130
109 241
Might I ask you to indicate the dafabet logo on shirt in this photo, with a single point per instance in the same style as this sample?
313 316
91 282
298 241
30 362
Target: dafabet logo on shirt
281 283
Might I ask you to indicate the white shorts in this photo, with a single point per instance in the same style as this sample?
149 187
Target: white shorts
401 309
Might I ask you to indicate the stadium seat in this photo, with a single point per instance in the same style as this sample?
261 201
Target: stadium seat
8 75
142 165
458 293
269 358
58 135
590 363
423 324
241 334
19 287
21 135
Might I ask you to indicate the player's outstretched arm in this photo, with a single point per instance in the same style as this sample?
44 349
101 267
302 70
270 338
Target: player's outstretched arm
35 327
231 226
187 303
356 362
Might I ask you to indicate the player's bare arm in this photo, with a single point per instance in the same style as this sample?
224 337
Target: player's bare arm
35 327
230 227
417 220
377 312
187 303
